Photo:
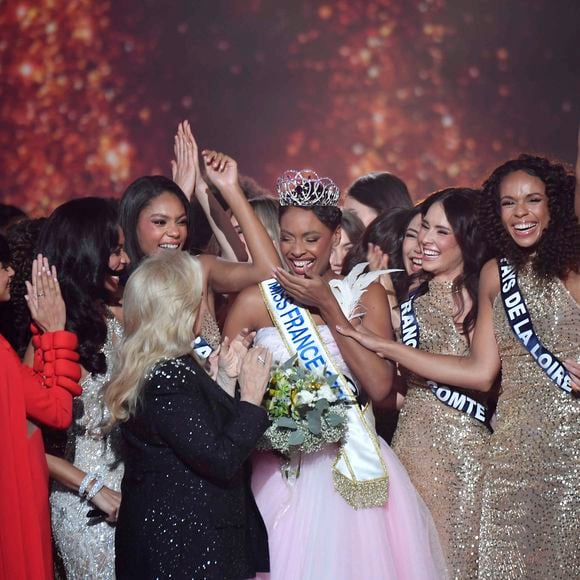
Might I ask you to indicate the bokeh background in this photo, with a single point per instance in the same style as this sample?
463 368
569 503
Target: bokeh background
437 91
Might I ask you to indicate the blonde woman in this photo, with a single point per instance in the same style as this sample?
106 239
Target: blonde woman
187 508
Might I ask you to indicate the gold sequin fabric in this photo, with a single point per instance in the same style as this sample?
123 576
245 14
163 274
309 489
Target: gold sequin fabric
442 448
531 499
210 329
87 548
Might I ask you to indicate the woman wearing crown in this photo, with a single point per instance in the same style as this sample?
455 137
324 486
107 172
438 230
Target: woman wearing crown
347 511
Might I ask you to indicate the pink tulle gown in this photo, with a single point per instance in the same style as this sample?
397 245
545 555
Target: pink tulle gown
315 535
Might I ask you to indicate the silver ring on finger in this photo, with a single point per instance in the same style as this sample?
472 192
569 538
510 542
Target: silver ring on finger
261 360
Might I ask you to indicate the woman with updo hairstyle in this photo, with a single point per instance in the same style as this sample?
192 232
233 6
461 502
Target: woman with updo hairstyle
369 523
528 325
84 240
376 193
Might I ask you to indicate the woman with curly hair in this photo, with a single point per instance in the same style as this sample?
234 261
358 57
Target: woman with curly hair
29 397
83 239
528 321
22 239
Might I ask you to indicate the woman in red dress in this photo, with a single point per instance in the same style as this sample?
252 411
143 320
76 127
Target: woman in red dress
42 394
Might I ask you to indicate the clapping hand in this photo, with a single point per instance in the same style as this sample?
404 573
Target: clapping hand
232 353
226 361
43 297
255 374
185 167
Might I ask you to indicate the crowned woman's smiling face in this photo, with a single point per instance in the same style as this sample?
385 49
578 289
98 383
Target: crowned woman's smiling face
305 242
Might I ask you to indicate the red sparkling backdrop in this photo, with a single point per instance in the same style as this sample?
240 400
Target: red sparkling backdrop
437 91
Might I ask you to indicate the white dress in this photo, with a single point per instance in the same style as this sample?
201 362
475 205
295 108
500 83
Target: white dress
315 535
88 549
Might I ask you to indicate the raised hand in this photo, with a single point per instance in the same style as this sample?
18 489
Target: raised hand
232 353
310 290
255 374
376 258
185 166
43 297
221 169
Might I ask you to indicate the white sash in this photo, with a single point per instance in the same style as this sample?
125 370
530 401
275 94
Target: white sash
359 472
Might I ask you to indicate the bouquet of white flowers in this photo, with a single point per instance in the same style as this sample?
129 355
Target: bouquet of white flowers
306 410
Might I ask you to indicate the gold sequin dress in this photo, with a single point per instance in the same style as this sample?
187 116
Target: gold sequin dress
442 448
531 495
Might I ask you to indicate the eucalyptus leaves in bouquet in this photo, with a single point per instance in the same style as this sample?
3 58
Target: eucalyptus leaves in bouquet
306 410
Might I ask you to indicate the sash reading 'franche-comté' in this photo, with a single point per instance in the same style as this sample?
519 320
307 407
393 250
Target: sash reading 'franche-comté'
447 395
359 472
520 321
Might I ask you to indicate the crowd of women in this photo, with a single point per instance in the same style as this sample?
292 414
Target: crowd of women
138 339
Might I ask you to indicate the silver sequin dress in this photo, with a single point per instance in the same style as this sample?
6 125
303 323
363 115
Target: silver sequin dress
530 523
88 551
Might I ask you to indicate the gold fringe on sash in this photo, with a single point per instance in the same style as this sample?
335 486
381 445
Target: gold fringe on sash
359 472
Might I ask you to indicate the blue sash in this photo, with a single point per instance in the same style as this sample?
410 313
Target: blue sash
520 321
446 394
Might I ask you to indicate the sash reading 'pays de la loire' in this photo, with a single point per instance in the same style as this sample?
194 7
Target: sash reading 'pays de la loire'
520 321
447 395
359 472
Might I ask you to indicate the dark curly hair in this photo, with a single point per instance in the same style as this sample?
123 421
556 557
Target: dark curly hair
387 231
558 251
329 215
460 205
139 195
22 239
79 238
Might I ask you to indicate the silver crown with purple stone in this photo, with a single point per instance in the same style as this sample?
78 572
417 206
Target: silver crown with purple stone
305 189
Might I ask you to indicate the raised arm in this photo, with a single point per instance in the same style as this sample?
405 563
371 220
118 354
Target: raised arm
476 371
187 174
48 388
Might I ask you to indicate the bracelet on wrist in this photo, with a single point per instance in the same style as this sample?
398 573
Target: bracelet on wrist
97 486
85 483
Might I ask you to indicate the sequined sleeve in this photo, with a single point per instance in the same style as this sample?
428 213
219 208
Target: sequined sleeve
179 402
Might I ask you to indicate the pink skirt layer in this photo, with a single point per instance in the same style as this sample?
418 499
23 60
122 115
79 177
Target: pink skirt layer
315 535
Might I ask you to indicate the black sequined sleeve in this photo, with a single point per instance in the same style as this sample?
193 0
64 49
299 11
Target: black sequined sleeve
181 409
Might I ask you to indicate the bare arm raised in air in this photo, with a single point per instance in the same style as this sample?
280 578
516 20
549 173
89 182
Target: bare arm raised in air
223 275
